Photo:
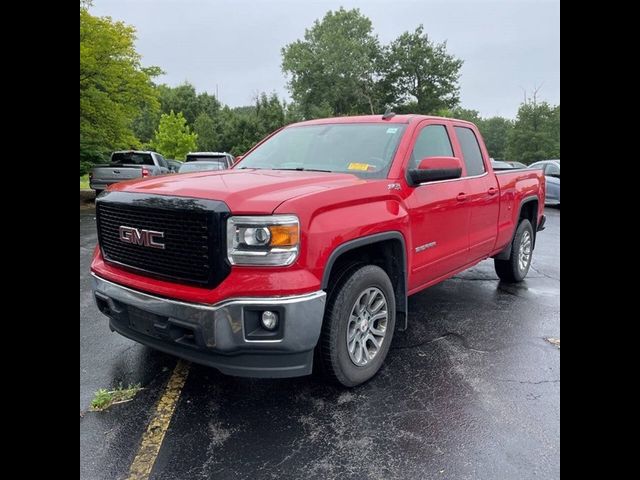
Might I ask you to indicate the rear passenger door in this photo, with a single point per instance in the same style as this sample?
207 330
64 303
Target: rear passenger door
482 194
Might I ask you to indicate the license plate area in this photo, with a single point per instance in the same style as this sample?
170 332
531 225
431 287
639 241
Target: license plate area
163 328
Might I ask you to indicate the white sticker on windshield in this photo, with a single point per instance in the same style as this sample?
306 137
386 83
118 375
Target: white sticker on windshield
392 130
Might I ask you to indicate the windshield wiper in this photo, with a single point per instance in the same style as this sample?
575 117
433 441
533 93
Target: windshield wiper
300 169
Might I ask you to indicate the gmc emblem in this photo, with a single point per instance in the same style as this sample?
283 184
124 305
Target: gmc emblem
139 236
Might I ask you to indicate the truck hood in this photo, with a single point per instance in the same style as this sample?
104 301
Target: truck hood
244 191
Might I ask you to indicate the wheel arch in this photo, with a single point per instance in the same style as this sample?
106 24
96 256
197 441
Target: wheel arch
379 249
528 210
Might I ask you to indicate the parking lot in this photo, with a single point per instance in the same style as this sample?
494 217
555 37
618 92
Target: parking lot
471 390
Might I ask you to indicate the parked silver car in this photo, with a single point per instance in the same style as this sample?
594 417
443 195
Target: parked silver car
200 166
225 159
552 175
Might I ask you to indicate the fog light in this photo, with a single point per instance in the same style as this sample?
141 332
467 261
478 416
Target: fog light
269 320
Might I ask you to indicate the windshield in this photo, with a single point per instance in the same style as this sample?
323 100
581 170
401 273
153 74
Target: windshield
201 166
364 149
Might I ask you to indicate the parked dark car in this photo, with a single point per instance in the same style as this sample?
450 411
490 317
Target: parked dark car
201 165
174 165
517 164
500 165
552 175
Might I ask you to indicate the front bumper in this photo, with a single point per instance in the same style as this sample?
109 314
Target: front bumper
223 336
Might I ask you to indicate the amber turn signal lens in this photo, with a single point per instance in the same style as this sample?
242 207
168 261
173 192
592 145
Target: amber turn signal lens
284 235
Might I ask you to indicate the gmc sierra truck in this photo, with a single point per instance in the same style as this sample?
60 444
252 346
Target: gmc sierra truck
304 253
127 165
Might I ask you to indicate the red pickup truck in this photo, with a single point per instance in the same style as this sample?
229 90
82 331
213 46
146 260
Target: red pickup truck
306 250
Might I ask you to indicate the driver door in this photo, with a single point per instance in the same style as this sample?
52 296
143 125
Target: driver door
438 211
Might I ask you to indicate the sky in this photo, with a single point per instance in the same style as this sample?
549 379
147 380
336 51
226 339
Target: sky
508 46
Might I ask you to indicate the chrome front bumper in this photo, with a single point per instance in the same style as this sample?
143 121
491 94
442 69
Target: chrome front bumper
226 336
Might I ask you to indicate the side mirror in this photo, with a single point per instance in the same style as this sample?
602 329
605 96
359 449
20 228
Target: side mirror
432 169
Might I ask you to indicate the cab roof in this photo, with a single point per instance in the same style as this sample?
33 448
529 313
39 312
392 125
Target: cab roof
407 119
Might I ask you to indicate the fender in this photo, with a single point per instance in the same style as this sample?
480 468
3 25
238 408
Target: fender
402 302
506 253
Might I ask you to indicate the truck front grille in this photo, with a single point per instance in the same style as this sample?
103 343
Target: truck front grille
192 234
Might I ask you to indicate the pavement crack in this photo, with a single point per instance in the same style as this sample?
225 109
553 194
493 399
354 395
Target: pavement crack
544 274
461 338
480 279
527 382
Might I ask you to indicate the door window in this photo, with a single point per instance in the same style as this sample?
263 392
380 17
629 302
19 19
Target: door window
433 141
471 153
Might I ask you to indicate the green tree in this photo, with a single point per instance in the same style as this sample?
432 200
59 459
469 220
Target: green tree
185 99
420 73
535 134
208 137
114 87
174 139
460 113
496 131
270 113
145 124
335 66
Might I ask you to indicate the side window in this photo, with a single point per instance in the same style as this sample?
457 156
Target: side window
162 162
433 141
470 151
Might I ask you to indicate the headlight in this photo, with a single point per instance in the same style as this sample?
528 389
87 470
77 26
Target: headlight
263 240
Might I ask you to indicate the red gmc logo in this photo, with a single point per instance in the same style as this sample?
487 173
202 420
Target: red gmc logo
139 236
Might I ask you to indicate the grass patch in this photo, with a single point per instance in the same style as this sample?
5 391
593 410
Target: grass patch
84 182
104 398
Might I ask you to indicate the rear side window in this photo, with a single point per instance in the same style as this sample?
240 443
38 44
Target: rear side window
433 141
470 151
122 158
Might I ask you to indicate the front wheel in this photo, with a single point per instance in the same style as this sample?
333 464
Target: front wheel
516 267
358 326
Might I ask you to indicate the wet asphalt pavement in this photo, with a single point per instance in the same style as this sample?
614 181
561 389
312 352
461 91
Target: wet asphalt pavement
470 391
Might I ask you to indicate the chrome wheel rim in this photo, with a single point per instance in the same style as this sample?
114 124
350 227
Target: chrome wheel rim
367 326
524 256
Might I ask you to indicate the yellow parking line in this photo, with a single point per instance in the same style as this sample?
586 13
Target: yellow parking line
152 438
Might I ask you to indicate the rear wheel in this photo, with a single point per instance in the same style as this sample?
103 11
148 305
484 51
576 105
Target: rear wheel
358 326
516 267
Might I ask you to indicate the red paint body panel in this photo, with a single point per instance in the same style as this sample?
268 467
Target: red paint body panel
335 208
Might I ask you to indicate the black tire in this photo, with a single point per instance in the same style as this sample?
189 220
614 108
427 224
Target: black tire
332 350
510 270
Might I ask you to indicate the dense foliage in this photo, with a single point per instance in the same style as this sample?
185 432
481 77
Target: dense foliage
338 68
114 87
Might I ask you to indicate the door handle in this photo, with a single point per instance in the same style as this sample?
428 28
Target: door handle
493 190
461 197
